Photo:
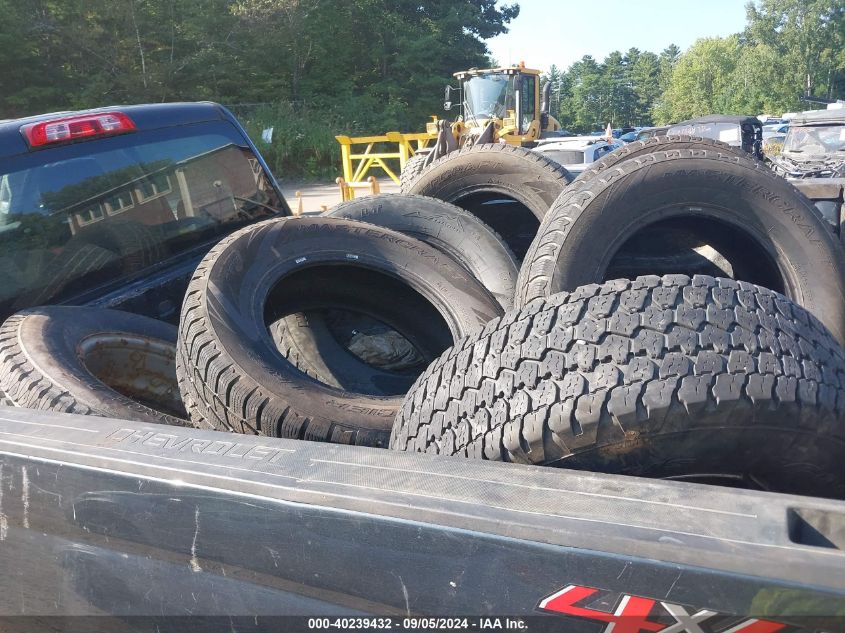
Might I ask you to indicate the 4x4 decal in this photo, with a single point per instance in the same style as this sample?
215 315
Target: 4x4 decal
636 614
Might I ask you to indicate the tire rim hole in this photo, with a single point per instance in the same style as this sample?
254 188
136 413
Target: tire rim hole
695 246
371 333
143 370
511 219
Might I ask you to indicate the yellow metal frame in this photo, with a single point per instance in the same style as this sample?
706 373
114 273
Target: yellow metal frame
347 189
357 166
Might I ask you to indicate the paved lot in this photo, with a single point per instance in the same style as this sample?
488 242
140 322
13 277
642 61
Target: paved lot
317 195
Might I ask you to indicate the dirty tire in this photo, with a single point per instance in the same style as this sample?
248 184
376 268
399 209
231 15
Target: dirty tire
308 343
771 230
230 371
413 168
660 376
446 227
471 176
50 358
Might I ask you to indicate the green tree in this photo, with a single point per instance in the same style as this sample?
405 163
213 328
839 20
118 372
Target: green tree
666 67
585 101
617 94
702 79
645 82
807 40
553 77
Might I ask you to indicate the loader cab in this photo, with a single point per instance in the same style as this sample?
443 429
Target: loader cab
510 97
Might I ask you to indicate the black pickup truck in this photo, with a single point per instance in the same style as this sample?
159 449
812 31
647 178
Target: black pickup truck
107 524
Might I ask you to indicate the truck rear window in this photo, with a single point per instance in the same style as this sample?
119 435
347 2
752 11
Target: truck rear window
75 217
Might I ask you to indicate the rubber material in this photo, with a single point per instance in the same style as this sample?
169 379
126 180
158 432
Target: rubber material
44 365
741 197
231 375
413 168
656 144
446 227
308 343
664 377
471 176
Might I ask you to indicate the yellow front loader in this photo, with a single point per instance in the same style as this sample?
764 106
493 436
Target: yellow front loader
495 105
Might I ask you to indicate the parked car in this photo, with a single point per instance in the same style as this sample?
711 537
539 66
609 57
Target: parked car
649 132
576 153
618 132
814 146
778 129
739 131
813 159
631 135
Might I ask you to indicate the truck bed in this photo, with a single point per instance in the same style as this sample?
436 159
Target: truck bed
101 516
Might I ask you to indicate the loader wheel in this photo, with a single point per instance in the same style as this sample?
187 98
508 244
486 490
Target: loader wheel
761 225
701 379
509 188
413 168
229 367
91 361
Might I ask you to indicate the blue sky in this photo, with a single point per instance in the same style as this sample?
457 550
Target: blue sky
562 31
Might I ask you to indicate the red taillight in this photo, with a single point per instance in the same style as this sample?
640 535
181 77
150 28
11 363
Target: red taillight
76 127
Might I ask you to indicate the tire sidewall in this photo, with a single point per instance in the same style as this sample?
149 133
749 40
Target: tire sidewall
242 276
446 227
734 191
51 337
501 170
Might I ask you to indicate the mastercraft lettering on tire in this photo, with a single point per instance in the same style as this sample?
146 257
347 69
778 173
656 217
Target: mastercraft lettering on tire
231 373
706 379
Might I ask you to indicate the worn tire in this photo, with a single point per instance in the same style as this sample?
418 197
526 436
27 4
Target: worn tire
413 168
308 343
51 359
665 377
446 227
473 177
231 373
770 229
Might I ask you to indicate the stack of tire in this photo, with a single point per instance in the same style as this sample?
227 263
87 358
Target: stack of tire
737 378
311 328
679 312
